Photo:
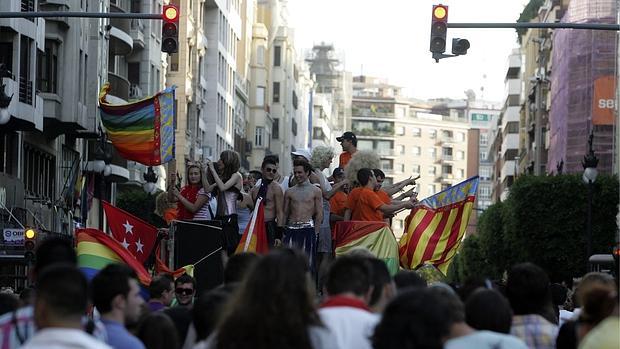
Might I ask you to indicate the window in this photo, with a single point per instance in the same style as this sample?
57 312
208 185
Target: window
400 149
460 155
259 137
485 173
483 155
9 149
47 69
432 133
416 169
260 55
275 131
294 127
385 147
416 150
460 136
400 131
445 186
485 191
484 139
432 170
447 135
431 189
277 55
38 172
432 152
446 152
260 95
25 82
317 133
387 165
364 145
174 61
461 173
276 92
416 132
401 168
446 169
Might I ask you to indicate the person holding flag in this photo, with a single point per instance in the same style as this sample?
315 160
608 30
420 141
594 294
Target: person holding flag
272 202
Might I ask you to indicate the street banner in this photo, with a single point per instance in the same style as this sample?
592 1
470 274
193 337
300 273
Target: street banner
254 238
135 235
375 236
141 131
434 229
96 249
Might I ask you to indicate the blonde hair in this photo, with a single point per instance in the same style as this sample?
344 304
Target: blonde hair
320 155
162 204
361 159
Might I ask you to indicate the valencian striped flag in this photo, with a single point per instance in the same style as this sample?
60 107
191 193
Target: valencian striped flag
254 238
434 230
96 249
375 236
141 131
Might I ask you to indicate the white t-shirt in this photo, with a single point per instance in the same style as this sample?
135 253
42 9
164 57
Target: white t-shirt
62 338
352 327
486 340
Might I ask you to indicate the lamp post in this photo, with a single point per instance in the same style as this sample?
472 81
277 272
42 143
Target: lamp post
101 166
150 178
5 100
589 164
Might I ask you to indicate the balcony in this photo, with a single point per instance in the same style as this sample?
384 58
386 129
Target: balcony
136 32
121 43
119 86
135 92
365 112
25 116
385 152
25 90
378 132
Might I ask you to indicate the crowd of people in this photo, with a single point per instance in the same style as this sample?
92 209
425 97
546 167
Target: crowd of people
299 295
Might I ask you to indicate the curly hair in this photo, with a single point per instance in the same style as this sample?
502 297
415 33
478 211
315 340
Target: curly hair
361 159
162 203
232 163
320 155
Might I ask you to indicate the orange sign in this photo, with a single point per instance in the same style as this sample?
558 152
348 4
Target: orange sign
604 100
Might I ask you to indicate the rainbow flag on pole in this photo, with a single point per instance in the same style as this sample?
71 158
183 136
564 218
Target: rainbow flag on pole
375 236
434 230
141 131
95 250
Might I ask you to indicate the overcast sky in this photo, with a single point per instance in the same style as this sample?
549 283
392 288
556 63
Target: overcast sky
390 38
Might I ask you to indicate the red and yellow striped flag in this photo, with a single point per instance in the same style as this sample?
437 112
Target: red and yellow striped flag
434 230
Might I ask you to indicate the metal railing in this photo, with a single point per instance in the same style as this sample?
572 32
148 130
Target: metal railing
25 90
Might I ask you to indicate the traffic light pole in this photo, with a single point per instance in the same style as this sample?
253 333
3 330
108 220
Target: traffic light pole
592 26
47 14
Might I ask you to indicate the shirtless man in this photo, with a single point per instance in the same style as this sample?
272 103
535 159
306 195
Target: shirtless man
303 208
273 200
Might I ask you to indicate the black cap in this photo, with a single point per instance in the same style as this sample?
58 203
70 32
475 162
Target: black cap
347 135
338 171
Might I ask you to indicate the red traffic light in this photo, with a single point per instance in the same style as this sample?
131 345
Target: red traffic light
439 28
170 13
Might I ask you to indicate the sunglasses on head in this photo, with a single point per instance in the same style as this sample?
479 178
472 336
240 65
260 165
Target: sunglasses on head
185 291
272 170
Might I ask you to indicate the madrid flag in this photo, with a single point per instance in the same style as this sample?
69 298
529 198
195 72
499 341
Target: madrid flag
134 234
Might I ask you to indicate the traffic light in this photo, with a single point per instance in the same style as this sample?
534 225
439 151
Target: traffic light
170 29
460 46
30 243
439 28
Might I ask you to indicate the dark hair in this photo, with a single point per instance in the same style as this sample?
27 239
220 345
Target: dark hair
238 265
64 290
599 301
488 310
380 276
378 173
8 303
256 174
207 311
527 289
408 278
268 160
305 164
109 283
54 250
159 284
416 318
185 279
348 274
157 331
363 175
273 308
273 158
232 163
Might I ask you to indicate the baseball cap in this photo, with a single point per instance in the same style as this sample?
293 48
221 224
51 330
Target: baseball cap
303 152
347 135
338 171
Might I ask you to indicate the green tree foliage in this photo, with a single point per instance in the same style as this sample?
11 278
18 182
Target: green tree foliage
140 204
529 12
543 221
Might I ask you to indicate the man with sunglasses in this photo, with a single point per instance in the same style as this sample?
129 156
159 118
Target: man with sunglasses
184 289
272 201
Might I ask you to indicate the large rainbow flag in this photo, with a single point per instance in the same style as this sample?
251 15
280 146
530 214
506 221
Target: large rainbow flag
434 230
95 250
141 131
375 236
254 238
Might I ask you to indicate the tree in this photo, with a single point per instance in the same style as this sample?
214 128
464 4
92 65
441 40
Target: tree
140 204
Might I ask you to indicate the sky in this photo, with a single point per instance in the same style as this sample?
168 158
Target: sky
390 39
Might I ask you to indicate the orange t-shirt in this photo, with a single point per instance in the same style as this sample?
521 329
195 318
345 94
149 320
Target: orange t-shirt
338 203
345 156
364 204
384 196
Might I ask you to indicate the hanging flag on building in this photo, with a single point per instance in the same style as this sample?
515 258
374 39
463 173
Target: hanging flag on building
375 236
141 131
434 230
254 238
135 235
96 249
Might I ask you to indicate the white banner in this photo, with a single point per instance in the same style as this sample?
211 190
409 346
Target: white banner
13 236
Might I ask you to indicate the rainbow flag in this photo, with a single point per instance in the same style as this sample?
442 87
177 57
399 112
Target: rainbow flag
254 238
141 131
434 230
375 236
95 250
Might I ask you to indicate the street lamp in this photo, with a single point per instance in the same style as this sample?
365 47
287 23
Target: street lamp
150 178
5 100
589 164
